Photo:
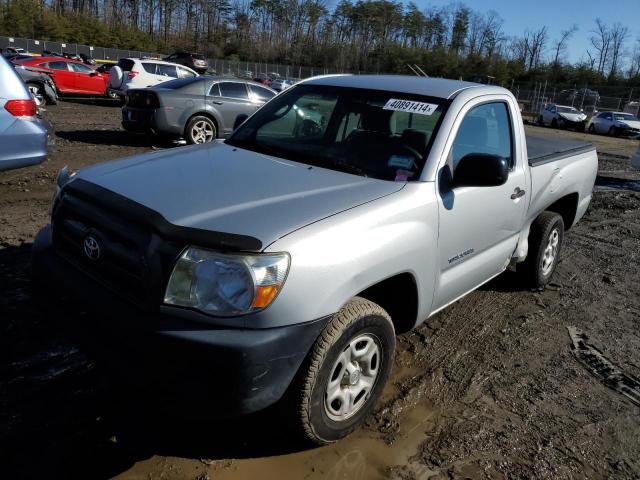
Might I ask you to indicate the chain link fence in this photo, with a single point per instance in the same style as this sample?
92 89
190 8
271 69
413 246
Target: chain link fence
32 46
533 97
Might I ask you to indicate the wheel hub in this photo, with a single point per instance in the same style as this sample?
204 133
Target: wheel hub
353 377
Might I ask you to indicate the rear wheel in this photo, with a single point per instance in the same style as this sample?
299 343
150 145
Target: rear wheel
545 241
200 129
345 373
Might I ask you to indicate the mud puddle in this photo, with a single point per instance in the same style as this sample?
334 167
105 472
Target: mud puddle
363 455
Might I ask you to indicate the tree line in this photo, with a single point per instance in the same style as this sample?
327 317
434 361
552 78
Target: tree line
355 35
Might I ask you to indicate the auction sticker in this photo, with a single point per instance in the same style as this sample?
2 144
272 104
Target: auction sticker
410 106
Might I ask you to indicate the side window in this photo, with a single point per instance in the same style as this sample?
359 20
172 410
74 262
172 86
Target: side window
349 123
149 67
215 90
261 94
167 70
486 129
609 116
58 66
184 73
79 68
233 90
307 117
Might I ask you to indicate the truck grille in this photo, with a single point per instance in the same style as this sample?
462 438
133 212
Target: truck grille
132 260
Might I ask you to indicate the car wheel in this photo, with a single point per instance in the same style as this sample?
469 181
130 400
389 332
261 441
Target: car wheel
111 94
545 241
200 129
592 129
345 372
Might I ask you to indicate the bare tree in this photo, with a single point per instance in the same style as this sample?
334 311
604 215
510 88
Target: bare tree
619 34
534 43
601 42
561 44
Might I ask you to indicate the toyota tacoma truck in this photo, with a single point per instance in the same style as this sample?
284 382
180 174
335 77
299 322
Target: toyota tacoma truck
277 266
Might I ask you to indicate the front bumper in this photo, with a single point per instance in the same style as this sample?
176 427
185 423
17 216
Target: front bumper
214 371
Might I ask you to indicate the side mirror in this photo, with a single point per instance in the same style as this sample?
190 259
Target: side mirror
93 74
481 170
240 119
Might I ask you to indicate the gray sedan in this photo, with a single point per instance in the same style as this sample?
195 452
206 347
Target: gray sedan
23 137
197 109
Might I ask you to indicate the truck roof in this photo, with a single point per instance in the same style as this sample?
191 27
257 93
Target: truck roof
433 87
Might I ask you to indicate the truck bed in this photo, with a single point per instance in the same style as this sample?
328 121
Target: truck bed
541 150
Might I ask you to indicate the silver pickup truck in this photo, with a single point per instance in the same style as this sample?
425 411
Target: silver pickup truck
279 265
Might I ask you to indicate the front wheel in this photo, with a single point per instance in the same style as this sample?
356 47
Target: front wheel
200 129
545 241
37 92
345 373
592 129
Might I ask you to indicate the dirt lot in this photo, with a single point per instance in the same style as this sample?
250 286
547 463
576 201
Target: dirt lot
489 388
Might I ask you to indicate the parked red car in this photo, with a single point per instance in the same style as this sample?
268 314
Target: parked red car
70 76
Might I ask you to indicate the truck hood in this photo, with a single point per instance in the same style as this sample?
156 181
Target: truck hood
220 188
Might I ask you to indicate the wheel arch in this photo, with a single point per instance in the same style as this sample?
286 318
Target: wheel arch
398 295
566 207
209 115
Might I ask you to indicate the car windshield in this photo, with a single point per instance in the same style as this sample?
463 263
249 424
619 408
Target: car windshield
625 117
567 110
379 134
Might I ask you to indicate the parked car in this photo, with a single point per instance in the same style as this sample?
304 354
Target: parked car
72 56
87 59
49 53
198 109
635 160
580 96
14 51
15 57
70 76
195 61
138 73
281 84
283 261
23 137
247 74
615 124
562 116
39 84
105 67
264 79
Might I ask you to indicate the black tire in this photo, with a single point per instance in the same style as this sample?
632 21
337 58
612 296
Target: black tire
592 129
190 135
536 269
358 317
554 123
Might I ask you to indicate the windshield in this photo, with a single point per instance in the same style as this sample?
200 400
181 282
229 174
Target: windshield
373 133
567 110
625 117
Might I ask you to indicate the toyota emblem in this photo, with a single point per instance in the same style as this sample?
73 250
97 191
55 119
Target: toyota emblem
92 248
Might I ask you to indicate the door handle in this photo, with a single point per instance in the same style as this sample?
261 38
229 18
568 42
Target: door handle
517 193
216 102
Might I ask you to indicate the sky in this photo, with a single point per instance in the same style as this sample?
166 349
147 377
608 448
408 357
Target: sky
558 15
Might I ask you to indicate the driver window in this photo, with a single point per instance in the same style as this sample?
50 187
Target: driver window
306 118
486 129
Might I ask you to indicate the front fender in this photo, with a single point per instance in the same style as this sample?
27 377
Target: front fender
336 258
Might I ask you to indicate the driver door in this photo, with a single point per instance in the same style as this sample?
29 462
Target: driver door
233 101
479 226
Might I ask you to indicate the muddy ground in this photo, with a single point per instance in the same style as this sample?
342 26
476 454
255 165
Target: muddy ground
488 388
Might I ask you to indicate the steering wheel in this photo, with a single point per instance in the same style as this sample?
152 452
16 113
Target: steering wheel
309 128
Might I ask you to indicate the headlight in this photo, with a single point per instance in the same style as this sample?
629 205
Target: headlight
226 284
61 180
